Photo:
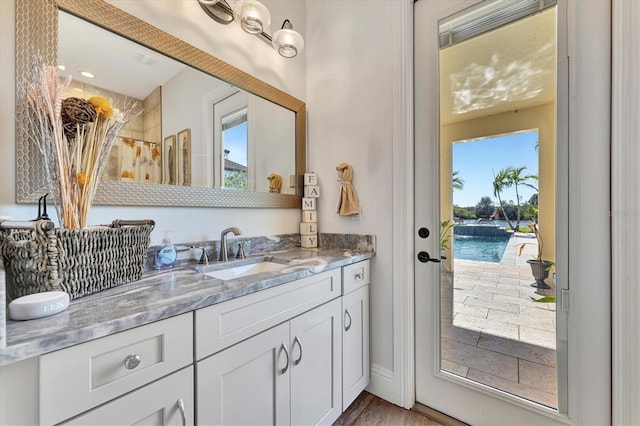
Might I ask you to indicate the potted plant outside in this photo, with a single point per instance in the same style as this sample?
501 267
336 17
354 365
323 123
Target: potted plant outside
445 236
539 267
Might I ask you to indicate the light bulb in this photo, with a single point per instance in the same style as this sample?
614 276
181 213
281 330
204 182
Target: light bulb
287 42
253 16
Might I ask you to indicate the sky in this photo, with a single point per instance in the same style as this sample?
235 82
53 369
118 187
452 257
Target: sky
477 161
235 140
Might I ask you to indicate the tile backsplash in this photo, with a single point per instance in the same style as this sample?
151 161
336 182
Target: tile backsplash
192 251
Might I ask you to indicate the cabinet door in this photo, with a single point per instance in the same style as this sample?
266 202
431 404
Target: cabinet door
316 358
246 384
168 401
355 342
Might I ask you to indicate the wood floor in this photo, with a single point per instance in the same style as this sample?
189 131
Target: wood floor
368 409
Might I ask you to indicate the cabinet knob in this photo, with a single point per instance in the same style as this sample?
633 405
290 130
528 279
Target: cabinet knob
358 276
132 361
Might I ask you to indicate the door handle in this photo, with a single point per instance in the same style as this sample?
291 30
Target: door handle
424 257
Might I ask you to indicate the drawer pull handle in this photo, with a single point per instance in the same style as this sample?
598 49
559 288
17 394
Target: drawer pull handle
297 340
132 361
358 276
182 412
347 314
283 347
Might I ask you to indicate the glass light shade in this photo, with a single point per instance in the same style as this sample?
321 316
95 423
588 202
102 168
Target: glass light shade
253 16
287 42
209 2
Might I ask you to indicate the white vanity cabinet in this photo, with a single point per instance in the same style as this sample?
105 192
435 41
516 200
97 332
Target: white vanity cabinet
296 353
288 374
355 331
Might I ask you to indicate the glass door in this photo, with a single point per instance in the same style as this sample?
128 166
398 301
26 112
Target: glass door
493 106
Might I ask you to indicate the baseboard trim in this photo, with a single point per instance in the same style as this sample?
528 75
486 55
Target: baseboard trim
382 384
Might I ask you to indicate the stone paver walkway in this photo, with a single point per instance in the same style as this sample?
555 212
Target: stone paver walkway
493 332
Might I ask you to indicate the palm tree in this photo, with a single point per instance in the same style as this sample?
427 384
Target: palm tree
501 181
457 182
516 177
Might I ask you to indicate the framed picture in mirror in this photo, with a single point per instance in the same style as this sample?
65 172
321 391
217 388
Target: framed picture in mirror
169 169
183 158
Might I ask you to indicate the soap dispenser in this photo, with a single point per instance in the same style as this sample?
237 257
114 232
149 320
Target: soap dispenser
167 254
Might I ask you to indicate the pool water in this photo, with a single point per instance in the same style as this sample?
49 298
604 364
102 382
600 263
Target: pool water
485 248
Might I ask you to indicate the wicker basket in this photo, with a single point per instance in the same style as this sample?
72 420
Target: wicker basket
77 261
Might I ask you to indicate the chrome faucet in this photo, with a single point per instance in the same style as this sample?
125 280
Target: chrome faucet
223 242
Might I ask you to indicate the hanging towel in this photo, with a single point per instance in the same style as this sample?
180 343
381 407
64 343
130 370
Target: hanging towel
275 182
348 203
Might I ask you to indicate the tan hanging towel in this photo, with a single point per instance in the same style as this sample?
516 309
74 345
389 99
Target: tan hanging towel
348 203
275 182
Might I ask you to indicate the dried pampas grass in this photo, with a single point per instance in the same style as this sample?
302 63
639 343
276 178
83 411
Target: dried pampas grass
75 140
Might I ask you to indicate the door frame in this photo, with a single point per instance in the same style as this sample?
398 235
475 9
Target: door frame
403 208
625 232
588 125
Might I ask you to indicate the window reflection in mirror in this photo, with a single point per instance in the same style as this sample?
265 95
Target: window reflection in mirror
234 144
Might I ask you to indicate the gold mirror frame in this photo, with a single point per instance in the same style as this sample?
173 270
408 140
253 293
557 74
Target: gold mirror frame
37 33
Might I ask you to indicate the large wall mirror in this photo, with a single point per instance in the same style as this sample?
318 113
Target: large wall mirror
208 134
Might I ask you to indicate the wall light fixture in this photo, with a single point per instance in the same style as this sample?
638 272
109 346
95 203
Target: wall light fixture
255 19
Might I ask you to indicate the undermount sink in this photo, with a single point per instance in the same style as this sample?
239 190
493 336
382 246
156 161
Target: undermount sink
229 273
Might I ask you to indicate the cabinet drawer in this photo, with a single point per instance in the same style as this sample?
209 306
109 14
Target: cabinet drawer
222 325
355 276
154 404
78 378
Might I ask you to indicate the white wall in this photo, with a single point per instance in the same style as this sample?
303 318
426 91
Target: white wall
271 137
350 104
187 21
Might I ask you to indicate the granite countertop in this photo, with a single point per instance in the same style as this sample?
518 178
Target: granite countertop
160 295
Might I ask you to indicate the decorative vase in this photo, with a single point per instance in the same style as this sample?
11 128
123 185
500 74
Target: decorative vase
540 271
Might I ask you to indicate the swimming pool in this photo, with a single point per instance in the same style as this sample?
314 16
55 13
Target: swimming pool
485 248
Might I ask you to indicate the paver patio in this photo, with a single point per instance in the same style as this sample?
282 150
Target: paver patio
493 332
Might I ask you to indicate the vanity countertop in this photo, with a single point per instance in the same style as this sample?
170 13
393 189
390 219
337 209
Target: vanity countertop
158 296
